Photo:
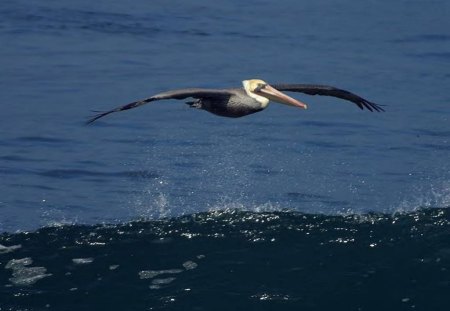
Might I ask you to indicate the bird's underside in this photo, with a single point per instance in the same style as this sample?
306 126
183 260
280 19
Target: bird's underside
236 105
253 97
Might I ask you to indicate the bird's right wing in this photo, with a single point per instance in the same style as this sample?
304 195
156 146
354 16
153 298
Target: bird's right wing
175 94
326 90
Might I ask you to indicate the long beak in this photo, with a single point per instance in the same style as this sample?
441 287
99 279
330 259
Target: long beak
275 95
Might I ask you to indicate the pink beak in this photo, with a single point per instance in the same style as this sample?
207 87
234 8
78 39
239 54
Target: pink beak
275 95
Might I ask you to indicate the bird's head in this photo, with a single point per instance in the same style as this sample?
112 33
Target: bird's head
263 92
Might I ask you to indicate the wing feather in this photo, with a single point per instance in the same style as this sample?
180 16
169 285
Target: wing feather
174 94
325 90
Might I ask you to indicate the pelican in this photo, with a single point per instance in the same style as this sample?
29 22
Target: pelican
253 97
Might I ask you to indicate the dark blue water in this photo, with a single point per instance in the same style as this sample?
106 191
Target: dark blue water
317 169
234 261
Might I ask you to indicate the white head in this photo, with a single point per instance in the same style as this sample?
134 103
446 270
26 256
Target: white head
263 93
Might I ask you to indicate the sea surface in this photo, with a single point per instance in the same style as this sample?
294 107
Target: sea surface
166 207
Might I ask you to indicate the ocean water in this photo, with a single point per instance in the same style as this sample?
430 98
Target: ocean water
170 208
233 260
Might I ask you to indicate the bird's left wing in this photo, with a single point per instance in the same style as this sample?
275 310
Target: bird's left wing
174 94
326 90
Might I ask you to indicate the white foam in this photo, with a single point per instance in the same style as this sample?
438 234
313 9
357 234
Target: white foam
23 275
7 249
14 263
436 195
82 261
189 265
163 281
149 274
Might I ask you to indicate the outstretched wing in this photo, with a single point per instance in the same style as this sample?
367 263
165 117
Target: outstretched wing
326 90
175 94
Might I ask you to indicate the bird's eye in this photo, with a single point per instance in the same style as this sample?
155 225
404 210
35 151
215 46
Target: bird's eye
260 86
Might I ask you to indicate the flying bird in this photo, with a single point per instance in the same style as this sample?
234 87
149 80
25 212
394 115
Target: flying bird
253 97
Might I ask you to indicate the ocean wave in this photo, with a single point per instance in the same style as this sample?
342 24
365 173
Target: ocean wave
261 260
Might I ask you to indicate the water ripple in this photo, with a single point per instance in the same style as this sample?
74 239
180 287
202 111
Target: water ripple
76 173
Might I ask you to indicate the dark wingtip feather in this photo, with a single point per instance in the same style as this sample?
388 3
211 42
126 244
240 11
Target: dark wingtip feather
97 116
367 105
374 107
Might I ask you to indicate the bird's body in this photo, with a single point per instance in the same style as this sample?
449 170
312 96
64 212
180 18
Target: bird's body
234 105
253 97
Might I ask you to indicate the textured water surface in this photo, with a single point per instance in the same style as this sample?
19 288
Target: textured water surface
285 179
234 260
